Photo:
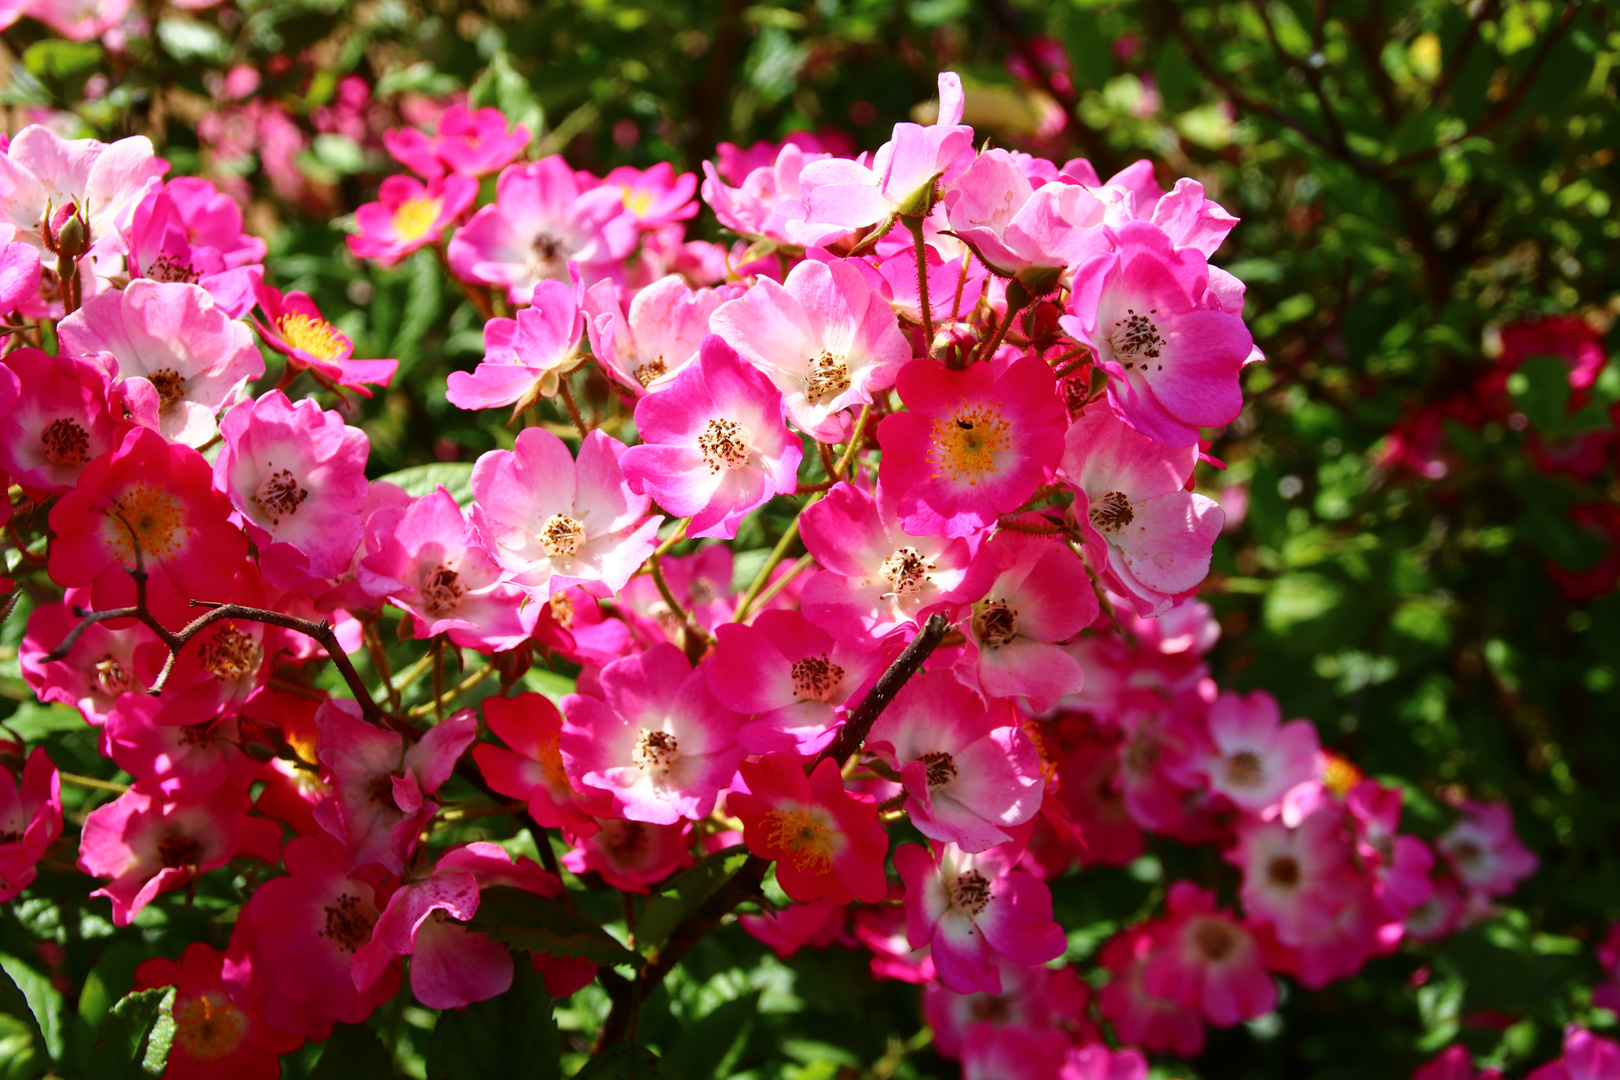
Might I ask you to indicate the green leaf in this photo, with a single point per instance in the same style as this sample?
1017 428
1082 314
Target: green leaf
501 86
523 920
420 480
54 59
712 1046
512 1037
134 1038
626 1063
14 1003
339 153
424 299
191 40
33 721
683 895
44 1003
354 1053
1541 390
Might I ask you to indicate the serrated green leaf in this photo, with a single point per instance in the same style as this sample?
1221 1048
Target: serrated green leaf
44 1003
133 1039
155 1062
524 920
420 480
511 1037
684 893
353 1053
627 1063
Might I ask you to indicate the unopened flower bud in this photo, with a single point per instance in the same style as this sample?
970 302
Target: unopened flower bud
65 231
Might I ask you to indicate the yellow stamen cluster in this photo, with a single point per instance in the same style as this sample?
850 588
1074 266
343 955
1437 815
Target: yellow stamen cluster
415 218
209 1026
315 336
156 518
964 445
807 841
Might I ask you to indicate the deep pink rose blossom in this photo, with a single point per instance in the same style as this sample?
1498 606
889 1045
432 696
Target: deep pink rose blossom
715 447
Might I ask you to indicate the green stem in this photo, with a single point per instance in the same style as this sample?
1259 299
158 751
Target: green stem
1017 300
916 227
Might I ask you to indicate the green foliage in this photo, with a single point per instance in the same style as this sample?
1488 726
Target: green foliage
133 1039
627 1063
354 1052
685 893
526 921
511 1037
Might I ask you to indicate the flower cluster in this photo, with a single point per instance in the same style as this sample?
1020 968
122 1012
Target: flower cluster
979 379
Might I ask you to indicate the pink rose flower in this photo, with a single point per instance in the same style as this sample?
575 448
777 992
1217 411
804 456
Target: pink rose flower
877 580
972 445
215 1031
632 856
651 743
147 845
975 911
826 841
180 359
791 677
970 773
1153 538
533 768
380 787
542 221
715 447
823 337
409 215
667 321
293 327
1163 333
470 144
30 820
1209 961
551 521
301 933
425 558
1483 851
526 357
54 418
156 497
1040 596
296 474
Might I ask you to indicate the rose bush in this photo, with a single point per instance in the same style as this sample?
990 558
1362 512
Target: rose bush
487 599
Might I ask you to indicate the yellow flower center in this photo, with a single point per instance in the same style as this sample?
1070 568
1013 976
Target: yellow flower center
548 748
149 516
208 1026
635 201
965 444
415 218
808 842
1339 775
317 337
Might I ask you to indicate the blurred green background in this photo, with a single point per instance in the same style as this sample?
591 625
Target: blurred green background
1412 175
